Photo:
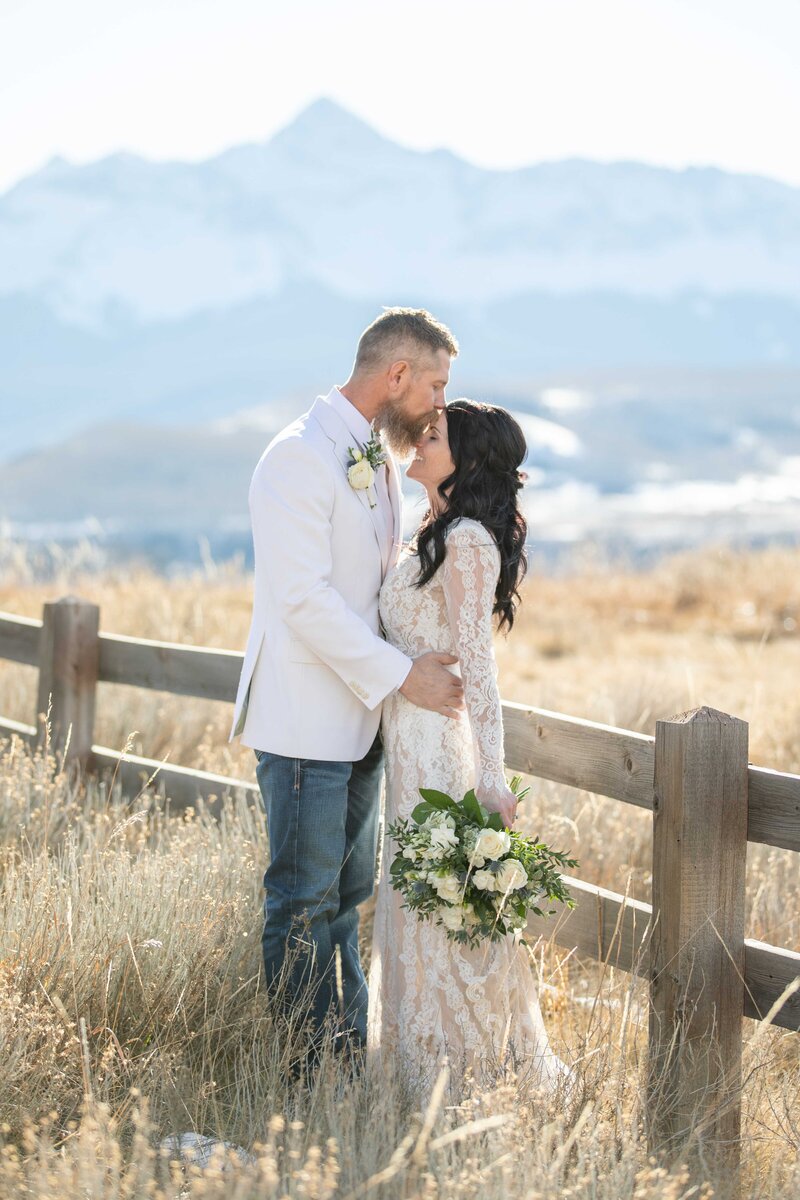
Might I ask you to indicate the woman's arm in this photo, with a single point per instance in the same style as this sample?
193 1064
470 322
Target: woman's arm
469 577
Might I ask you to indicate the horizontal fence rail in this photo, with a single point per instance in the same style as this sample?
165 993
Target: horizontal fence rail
169 667
616 930
601 759
19 639
604 925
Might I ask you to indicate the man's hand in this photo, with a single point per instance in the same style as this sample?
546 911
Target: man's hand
430 685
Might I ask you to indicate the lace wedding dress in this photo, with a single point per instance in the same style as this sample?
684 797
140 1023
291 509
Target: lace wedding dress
429 996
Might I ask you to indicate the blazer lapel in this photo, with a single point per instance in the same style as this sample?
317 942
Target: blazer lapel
342 439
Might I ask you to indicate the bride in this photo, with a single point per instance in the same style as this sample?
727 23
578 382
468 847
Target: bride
430 997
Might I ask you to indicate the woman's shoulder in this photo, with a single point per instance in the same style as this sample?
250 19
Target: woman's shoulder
467 532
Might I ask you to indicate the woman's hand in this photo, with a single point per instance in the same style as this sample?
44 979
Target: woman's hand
500 800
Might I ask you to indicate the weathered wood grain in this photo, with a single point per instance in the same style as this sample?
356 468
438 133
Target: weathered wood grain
19 639
599 758
769 971
170 667
613 928
774 808
697 947
68 660
604 925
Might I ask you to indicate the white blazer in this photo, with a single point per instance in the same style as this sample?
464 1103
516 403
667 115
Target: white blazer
316 669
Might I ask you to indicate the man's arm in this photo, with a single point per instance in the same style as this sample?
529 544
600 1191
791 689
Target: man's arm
291 505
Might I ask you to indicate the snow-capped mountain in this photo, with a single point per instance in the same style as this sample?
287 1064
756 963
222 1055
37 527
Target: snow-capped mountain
158 321
328 201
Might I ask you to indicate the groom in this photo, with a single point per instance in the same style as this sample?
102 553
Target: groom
316 669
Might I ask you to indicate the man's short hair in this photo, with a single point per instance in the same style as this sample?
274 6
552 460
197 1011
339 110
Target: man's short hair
399 333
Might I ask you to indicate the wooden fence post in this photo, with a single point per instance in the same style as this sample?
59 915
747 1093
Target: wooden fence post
697 948
68 666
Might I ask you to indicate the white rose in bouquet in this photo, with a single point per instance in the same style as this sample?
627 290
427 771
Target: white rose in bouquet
434 853
447 887
452 918
511 876
439 820
492 843
444 838
484 880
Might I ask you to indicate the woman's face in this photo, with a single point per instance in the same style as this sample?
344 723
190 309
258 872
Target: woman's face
432 462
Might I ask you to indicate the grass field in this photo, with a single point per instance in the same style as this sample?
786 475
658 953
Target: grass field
130 1006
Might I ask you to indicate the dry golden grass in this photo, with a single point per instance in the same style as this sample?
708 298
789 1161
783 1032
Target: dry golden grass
129 958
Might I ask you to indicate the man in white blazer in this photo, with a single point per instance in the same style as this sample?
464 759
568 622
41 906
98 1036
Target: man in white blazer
316 668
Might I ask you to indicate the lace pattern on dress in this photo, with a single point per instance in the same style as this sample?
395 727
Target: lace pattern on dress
428 995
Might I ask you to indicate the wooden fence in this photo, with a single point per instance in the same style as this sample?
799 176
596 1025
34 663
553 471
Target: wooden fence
707 803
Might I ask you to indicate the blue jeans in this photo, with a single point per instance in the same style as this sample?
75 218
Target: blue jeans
322 821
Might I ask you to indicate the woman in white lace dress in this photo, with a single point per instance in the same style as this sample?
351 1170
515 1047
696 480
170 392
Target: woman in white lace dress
430 997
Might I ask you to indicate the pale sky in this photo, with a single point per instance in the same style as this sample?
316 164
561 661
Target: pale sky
500 82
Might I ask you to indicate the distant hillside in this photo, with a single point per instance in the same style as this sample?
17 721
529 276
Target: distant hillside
674 456
57 379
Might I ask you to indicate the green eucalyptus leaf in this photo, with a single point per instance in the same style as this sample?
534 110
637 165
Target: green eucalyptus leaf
439 800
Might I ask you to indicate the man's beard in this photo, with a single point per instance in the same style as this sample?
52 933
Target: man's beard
401 433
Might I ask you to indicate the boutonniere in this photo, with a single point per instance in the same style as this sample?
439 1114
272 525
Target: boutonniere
363 463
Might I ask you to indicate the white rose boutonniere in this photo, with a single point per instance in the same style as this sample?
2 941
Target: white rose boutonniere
363 464
361 474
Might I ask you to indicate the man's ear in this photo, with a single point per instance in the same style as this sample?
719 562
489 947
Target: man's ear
398 373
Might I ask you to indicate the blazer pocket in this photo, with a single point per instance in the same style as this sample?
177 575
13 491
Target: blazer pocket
299 652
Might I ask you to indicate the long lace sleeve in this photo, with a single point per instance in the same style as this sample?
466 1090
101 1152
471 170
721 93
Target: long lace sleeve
469 578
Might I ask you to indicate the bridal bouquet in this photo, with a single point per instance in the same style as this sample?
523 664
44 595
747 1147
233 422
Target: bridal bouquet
458 865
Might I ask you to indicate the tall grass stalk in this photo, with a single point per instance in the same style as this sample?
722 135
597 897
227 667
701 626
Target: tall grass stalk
131 1010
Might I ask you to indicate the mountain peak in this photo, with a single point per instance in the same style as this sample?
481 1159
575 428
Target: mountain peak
324 124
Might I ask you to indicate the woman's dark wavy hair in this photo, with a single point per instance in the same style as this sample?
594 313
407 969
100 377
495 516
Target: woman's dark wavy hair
488 448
